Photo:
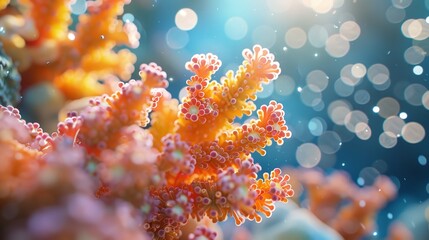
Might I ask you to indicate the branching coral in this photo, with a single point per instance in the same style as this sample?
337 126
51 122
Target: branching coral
339 203
198 167
45 194
75 61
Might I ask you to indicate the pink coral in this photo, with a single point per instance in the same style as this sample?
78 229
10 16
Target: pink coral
203 233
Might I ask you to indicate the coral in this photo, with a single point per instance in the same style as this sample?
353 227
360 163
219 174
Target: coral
190 229
202 233
398 230
171 162
75 61
3 4
45 194
339 203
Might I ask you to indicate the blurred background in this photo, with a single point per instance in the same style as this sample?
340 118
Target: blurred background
354 81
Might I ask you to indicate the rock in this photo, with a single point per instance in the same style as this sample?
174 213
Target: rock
10 81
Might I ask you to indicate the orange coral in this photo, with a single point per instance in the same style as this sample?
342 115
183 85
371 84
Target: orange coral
338 202
174 174
398 231
163 118
212 105
73 61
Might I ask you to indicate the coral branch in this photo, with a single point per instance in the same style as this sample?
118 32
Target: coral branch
204 65
215 105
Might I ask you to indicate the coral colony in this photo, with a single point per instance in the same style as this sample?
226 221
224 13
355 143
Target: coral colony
187 173
190 161
135 163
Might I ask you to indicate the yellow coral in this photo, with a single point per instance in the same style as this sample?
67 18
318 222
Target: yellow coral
53 13
3 4
163 118
59 55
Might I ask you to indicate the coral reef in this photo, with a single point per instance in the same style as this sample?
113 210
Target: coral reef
76 61
151 161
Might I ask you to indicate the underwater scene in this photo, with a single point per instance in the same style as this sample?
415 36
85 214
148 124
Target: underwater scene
214 119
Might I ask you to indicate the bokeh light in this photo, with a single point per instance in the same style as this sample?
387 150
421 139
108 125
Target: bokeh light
176 38
236 28
414 55
418 70
378 74
362 96
317 36
320 6
186 19
422 160
353 118
417 29
358 70
338 110
350 30
395 15
425 100
308 155
413 93
295 37
337 46
388 106
393 124
401 4
317 126
413 132
387 140
363 131
317 80
352 74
